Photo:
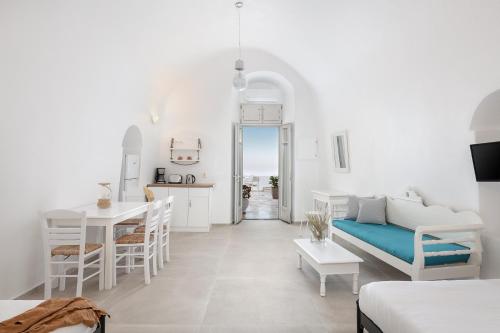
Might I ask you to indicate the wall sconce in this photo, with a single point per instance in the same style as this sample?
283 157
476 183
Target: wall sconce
155 117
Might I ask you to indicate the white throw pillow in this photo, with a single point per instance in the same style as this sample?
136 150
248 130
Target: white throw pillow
372 211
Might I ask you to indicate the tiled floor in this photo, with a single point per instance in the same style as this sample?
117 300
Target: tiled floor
239 278
262 206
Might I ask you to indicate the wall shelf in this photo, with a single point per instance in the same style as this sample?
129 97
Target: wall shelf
179 149
184 162
183 149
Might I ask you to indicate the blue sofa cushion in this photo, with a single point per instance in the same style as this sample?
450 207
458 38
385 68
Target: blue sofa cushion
398 241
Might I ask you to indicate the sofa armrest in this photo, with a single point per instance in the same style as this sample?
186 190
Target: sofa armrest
448 228
473 238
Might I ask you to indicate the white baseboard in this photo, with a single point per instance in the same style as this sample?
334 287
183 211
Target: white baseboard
28 290
223 223
189 229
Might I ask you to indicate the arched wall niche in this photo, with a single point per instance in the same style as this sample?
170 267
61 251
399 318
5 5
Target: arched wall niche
487 115
486 126
132 145
132 140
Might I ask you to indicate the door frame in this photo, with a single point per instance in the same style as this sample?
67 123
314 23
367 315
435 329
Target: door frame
286 138
237 177
237 161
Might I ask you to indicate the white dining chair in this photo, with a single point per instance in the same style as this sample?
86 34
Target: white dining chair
164 243
64 233
163 231
140 245
132 223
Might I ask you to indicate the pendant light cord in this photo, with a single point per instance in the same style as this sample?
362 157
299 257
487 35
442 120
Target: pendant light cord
239 31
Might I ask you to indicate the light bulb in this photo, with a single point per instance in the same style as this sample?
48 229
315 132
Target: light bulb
240 81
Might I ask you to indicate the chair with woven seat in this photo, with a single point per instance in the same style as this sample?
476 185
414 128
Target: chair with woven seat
137 221
163 232
64 233
136 245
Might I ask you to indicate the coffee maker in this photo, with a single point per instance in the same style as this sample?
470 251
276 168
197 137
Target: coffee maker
160 176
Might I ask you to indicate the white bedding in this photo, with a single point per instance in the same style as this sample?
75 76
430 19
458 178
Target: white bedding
11 308
433 306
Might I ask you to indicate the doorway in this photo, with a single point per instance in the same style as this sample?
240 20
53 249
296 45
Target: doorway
263 174
260 172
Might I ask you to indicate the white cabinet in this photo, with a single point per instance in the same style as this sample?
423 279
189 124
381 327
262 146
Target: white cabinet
192 206
271 113
160 192
336 201
199 207
261 113
181 208
251 113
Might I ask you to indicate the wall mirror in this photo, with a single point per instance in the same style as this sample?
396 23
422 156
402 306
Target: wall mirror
340 152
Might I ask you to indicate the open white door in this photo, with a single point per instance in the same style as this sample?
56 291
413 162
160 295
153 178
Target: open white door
237 173
286 173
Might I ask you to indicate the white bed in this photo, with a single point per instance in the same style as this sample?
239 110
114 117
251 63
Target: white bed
11 308
433 306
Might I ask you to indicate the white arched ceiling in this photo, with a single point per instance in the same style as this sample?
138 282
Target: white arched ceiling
203 103
402 78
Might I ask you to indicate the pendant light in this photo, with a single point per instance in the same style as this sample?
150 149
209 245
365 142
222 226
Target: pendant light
239 81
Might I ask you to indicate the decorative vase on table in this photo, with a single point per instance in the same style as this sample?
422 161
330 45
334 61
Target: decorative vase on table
104 200
318 225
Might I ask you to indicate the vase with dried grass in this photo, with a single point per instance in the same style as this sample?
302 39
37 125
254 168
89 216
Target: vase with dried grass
105 198
318 225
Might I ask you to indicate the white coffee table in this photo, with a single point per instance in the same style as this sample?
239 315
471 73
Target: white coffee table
328 258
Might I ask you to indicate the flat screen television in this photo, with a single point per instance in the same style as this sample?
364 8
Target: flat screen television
486 159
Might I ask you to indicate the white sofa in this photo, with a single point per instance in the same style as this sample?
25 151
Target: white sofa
439 224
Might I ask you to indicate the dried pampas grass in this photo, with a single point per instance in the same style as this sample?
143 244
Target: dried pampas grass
318 224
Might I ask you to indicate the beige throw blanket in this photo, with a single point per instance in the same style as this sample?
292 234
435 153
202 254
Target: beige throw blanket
53 314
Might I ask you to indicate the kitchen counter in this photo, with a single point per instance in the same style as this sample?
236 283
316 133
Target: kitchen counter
192 202
195 185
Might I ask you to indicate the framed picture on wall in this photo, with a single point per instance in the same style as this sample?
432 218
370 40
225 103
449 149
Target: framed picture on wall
340 150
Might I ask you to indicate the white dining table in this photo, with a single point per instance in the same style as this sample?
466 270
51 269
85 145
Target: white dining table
107 218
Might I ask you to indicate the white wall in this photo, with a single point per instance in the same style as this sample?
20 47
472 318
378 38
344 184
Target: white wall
486 126
66 101
405 80
489 209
